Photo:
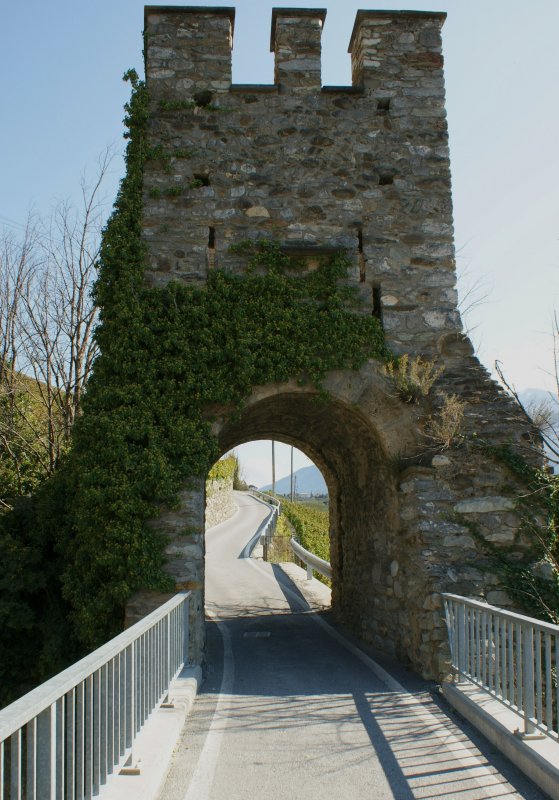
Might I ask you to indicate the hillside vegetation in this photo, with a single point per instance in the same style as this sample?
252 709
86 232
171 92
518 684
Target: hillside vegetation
311 526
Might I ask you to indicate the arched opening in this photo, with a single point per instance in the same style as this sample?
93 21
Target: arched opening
362 438
361 481
266 465
271 470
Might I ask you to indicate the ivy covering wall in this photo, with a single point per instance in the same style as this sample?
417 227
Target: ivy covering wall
169 356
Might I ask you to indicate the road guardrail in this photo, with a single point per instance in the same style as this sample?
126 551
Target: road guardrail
311 561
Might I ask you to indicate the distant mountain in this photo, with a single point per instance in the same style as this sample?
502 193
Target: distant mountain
309 480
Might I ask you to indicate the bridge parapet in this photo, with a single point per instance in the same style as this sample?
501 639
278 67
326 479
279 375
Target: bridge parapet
67 737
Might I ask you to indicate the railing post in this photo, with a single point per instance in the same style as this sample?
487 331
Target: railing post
15 765
169 668
130 695
45 764
185 637
88 737
2 769
529 704
31 759
461 641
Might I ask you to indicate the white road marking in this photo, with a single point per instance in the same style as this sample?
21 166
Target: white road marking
202 780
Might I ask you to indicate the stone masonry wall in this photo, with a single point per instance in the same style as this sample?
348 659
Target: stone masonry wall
364 168
220 503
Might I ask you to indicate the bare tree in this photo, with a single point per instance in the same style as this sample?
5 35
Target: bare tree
17 263
20 446
47 321
544 412
473 292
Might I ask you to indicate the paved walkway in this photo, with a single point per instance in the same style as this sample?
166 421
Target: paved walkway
291 707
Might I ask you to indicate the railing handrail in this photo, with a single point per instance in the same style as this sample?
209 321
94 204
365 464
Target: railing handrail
30 705
268 498
267 527
549 627
310 559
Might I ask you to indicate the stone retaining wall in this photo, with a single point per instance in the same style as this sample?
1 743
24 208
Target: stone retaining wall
220 501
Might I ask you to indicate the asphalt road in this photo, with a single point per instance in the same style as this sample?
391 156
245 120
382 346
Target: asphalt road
292 708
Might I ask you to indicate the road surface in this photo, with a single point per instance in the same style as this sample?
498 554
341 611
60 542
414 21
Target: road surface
292 708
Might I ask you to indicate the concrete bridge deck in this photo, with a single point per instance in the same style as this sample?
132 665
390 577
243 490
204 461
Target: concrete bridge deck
291 707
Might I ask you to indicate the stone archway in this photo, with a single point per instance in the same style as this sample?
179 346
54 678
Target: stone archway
359 469
395 544
357 433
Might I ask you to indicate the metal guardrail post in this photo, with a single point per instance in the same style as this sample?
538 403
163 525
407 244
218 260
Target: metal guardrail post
529 709
460 641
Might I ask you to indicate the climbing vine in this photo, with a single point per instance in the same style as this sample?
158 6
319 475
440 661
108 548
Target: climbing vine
531 581
171 359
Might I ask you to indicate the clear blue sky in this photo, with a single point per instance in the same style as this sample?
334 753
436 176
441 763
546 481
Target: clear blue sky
61 64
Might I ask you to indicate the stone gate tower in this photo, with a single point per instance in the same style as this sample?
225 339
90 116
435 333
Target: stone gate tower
363 168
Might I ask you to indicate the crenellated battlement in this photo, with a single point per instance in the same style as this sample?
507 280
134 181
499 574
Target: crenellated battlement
296 43
363 168
188 50
397 43
189 47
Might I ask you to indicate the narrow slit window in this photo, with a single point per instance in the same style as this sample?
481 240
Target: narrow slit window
211 248
386 179
383 105
377 310
361 256
202 178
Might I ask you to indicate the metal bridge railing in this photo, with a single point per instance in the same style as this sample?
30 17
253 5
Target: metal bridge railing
268 498
64 739
512 657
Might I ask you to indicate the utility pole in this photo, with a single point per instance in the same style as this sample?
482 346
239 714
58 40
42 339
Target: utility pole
291 473
273 467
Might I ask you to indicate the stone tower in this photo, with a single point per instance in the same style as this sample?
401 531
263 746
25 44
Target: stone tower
364 169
